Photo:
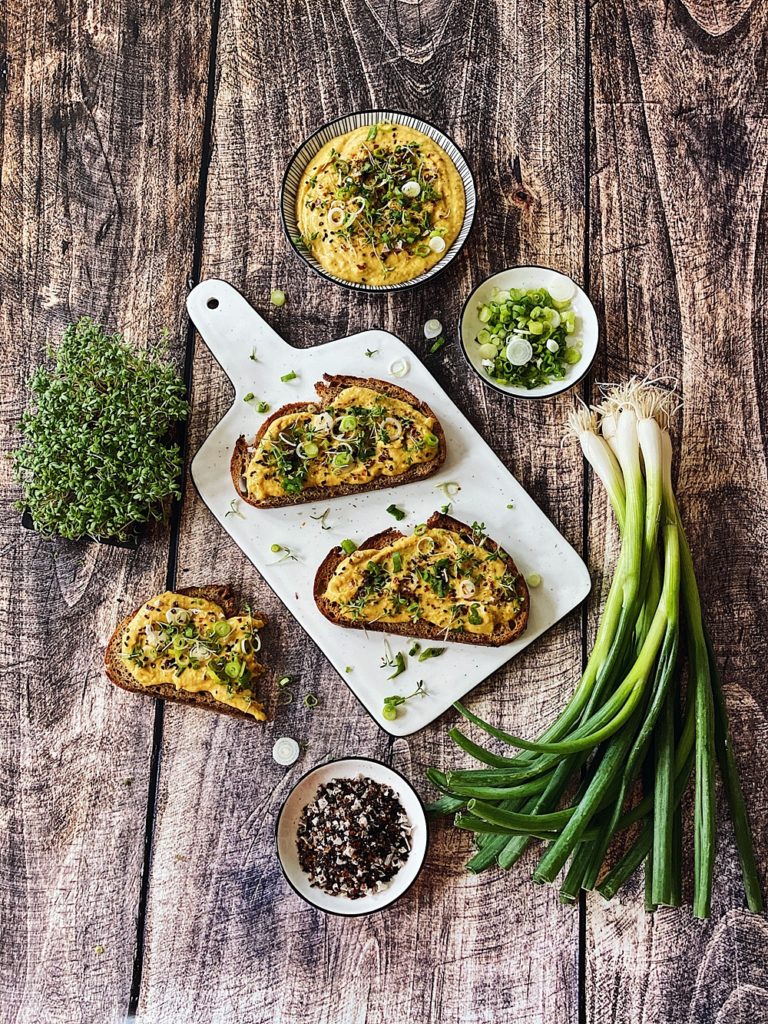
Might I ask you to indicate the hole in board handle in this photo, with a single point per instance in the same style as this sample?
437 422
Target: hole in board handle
212 303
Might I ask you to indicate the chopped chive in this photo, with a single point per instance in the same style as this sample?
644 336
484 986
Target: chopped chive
262 407
431 652
348 546
396 512
291 375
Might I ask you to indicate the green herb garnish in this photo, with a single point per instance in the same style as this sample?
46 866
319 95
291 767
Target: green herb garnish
431 652
96 459
234 509
396 512
391 704
371 352
291 375
348 546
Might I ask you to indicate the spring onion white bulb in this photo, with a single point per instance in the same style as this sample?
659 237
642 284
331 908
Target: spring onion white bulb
411 189
432 329
553 346
437 244
399 367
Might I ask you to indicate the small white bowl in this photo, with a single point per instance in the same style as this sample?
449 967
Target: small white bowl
304 792
529 277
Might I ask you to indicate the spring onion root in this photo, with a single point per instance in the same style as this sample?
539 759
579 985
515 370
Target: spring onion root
602 786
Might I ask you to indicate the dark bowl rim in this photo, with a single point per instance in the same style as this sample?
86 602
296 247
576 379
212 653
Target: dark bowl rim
350 285
324 764
486 380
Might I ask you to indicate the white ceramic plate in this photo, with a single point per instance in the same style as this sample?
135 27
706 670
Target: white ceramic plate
304 792
232 330
348 123
529 277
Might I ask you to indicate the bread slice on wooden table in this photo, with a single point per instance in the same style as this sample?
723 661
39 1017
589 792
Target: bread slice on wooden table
389 438
447 581
143 643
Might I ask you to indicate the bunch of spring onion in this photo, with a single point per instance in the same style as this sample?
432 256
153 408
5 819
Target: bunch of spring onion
602 786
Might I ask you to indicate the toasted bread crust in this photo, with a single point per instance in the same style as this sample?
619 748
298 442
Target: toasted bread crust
327 389
420 630
117 673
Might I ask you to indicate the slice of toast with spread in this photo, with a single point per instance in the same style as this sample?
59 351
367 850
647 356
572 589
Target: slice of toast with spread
448 581
120 669
362 435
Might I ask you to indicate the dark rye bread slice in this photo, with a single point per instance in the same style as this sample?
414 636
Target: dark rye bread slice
421 630
327 390
118 674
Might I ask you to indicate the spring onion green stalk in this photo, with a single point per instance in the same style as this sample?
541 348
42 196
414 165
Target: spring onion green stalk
630 721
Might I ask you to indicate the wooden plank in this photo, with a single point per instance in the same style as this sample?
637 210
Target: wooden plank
98 197
678 257
234 942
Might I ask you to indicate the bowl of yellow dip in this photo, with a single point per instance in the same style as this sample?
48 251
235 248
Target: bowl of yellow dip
378 201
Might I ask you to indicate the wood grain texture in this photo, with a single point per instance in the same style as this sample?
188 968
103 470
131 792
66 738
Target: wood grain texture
101 132
679 267
235 943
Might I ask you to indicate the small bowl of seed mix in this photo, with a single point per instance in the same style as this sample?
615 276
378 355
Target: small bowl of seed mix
351 836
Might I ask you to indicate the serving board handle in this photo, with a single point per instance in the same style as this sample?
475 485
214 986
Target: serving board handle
232 330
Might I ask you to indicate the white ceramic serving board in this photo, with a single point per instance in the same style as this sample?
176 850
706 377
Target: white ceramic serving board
233 330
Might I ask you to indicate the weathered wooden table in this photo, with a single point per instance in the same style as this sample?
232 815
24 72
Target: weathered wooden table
143 145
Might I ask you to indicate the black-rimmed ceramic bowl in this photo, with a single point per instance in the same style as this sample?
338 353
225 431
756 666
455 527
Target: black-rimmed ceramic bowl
347 123
304 792
585 335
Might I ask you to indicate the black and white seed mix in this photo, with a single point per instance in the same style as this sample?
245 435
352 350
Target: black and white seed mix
353 837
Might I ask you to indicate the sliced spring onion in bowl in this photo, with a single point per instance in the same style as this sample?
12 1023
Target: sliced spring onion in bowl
529 332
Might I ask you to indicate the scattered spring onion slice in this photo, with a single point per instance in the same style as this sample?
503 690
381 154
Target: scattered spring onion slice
389 712
348 546
432 329
249 397
277 297
419 530
274 548
411 189
291 375
436 346
399 367
397 561
310 700
398 513
431 652
321 519
449 488
284 681
437 244
399 665
285 751
234 509
533 579
262 407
